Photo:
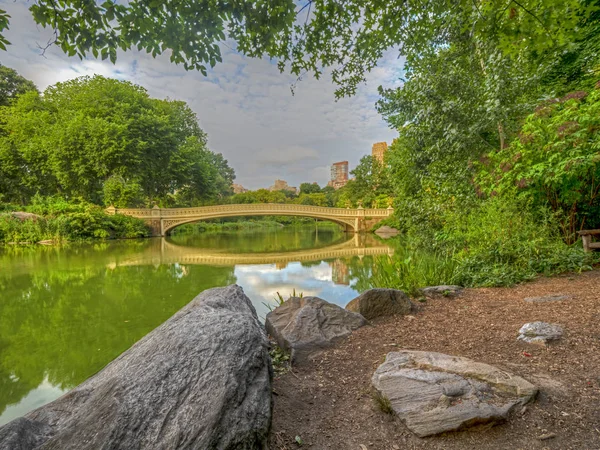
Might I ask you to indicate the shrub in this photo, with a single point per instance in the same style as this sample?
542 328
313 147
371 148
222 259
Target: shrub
502 242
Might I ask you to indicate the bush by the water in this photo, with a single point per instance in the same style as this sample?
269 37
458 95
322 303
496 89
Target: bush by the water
502 242
57 219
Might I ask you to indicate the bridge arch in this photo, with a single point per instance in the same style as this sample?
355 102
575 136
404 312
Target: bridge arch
170 224
162 220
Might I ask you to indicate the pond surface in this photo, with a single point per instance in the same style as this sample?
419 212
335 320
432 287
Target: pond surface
66 312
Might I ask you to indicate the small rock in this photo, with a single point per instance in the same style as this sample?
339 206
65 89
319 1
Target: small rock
545 437
434 393
442 291
21 215
380 303
548 298
309 324
386 232
539 332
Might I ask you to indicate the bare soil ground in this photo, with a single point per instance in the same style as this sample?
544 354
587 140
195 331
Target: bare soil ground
329 403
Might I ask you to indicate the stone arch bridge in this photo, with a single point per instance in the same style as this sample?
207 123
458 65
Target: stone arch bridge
162 220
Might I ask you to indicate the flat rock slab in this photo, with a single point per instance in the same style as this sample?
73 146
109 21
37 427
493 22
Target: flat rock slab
201 380
540 332
307 325
380 303
444 290
434 393
386 232
548 298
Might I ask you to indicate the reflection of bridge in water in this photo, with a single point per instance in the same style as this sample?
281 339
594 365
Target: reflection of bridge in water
171 253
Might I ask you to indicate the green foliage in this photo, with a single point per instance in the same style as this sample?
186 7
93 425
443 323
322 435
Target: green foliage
280 360
350 36
371 186
309 188
278 300
382 402
12 85
410 269
60 220
259 196
96 137
120 193
555 161
501 242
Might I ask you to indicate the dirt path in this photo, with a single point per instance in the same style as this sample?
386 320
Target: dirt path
329 406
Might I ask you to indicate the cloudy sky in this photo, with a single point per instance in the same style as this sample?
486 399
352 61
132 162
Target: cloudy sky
245 105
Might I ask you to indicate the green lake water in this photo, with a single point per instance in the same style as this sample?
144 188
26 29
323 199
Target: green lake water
66 312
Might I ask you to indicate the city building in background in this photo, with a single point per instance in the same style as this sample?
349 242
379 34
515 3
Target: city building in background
339 174
378 150
281 185
238 188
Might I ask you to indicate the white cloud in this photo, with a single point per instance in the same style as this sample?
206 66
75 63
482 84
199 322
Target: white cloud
245 105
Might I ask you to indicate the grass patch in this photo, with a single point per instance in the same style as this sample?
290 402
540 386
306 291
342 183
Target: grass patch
382 402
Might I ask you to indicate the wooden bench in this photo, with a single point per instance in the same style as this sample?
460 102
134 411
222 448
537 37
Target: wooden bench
586 237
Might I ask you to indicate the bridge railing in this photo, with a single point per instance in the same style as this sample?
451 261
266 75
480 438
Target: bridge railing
161 213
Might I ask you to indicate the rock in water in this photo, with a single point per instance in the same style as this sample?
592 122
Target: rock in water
386 232
380 302
433 393
201 380
309 324
442 291
540 332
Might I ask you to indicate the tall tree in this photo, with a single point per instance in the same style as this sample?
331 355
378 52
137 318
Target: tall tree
87 131
13 84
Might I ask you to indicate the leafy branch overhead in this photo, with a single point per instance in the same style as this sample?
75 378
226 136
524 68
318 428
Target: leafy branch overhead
350 36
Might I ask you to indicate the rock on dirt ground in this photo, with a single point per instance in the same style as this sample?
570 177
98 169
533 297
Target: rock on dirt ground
329 402
540 332
380 303
548 298
200 380
444 290
304 326
433 392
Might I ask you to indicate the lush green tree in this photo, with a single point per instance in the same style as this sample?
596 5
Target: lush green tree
370 187
87 132
555 161
259 196
309 188
313 199
350 36
121 193
12 84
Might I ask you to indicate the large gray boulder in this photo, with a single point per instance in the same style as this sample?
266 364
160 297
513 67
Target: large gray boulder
304 326
433 393
540 332
380 303
201 380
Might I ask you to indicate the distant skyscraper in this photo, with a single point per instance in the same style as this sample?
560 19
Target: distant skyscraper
339 174
378 150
